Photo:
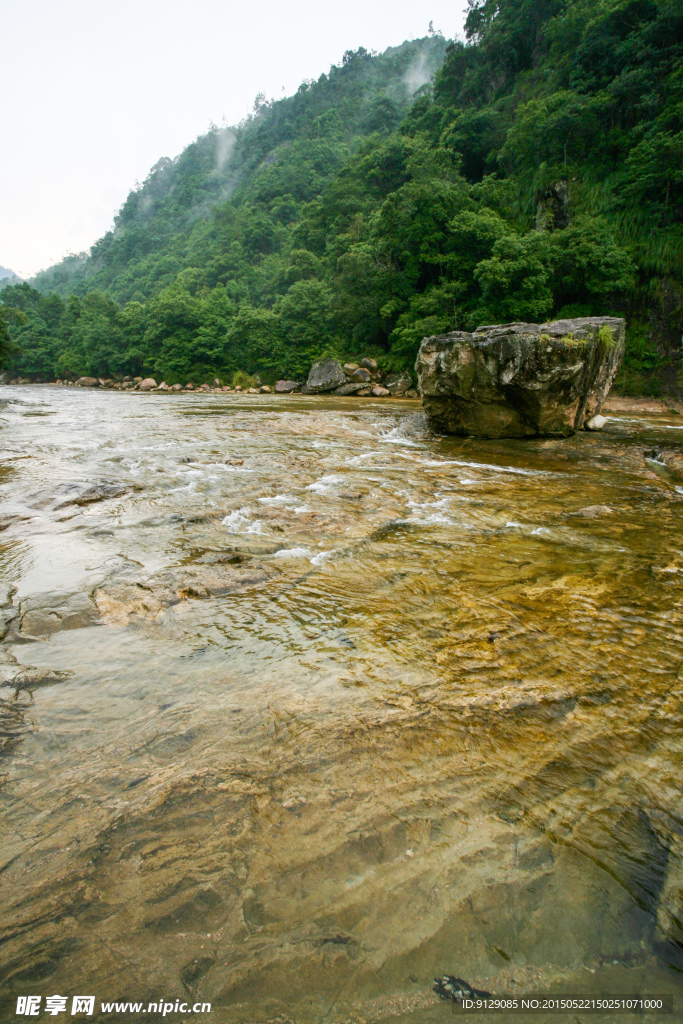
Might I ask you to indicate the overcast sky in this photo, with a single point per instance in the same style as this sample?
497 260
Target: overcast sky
93 93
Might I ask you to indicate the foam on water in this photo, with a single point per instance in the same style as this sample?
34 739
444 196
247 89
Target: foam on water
292 553
240 521
325 484
277 499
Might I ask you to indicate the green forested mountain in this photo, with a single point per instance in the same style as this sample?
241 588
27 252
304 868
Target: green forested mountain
538 172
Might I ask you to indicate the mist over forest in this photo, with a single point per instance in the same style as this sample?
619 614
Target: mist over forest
533 170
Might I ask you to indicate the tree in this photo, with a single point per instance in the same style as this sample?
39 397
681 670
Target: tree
8 316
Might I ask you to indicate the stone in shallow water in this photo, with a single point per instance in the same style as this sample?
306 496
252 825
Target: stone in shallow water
520 380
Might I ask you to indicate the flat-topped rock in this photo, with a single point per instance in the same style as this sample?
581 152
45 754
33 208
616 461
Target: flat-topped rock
520 380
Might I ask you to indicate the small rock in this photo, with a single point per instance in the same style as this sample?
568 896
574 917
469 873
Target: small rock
177 387
364 392
238 387
189 387
350 368
379 392
252 391
349 389
369 364
265 390
293 802
86 382
412 393
285 387
591 511
163 386
147 384
596 423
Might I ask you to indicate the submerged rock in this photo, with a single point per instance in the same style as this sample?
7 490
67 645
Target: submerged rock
325 375
520 380
88 495
44 614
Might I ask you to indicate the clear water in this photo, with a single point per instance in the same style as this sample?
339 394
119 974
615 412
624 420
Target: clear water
313 706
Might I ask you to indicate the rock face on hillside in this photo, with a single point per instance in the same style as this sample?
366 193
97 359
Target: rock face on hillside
520 380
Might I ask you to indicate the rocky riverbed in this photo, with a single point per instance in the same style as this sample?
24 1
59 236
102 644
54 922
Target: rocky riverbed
303 706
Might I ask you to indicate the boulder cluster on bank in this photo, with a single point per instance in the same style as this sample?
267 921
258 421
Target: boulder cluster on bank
363 379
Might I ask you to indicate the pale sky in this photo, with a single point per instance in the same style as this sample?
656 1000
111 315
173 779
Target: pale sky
93 93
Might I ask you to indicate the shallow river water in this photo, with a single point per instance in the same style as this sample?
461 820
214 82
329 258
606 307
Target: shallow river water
303 706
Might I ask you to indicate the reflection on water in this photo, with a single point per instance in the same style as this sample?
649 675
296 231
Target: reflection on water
304 706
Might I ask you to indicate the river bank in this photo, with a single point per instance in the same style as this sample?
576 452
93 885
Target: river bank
304 706
644 405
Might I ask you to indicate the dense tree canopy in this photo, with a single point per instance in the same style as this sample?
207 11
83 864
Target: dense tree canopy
533 170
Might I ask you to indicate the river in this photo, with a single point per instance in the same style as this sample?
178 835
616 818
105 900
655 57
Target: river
304 706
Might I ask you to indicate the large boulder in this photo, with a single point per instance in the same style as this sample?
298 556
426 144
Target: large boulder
87 382
325 375
520 380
